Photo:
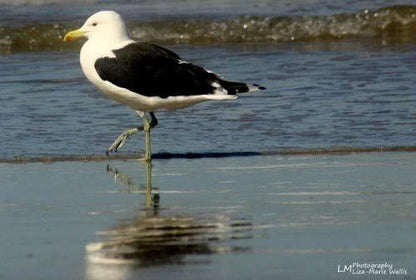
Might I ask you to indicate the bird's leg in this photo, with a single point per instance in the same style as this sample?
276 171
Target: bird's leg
122 138
147 127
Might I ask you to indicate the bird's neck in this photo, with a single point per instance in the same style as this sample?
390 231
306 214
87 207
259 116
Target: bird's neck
111 43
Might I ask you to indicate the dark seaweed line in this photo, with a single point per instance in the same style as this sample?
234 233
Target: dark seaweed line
164 156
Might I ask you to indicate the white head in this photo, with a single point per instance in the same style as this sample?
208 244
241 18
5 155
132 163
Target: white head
106 26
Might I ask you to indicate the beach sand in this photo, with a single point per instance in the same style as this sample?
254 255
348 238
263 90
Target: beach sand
254 217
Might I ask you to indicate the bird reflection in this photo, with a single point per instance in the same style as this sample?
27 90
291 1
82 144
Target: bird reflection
129 186
156 237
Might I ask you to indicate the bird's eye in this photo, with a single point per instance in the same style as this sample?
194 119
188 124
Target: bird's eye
94 24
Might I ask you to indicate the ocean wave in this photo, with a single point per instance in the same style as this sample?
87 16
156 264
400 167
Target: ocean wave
390 24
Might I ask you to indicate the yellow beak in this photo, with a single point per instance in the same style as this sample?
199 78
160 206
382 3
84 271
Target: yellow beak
74 34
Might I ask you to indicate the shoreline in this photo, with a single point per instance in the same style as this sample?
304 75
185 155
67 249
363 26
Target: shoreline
161 156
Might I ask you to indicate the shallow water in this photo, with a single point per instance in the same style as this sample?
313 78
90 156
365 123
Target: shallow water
318 95
240 218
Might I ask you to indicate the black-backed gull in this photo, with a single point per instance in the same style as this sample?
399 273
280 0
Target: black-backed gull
144 76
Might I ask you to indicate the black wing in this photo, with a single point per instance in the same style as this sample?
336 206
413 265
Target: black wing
151 70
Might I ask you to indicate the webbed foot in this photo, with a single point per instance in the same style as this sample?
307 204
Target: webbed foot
122 139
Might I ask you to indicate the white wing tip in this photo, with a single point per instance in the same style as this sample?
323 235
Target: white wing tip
255 87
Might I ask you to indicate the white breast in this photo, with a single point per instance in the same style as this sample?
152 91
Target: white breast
90 52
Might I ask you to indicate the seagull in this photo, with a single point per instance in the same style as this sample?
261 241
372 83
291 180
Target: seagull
144 76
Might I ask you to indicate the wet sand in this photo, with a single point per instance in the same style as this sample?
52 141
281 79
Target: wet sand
251 217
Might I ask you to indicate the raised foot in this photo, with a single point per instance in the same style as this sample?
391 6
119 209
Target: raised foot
121 140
